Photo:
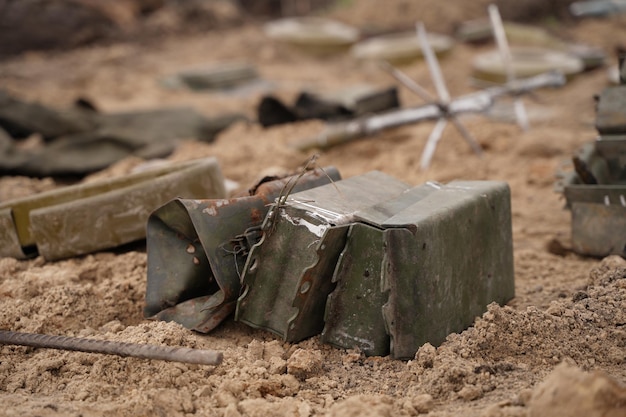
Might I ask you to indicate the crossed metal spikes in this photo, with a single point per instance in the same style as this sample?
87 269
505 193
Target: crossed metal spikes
450 108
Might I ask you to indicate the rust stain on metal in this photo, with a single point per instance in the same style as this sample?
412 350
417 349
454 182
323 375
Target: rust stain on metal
256 216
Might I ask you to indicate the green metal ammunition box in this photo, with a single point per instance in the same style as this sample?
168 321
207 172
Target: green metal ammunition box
375 264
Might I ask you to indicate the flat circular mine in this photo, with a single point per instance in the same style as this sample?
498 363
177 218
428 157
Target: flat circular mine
312 33
527 62
399 48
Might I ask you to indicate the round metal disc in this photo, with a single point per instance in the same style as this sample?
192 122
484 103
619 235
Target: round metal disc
312 33
526 62
399 48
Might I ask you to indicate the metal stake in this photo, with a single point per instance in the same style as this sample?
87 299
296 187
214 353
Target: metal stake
144 351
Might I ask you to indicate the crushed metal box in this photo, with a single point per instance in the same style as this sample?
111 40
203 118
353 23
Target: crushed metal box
197 250
373 263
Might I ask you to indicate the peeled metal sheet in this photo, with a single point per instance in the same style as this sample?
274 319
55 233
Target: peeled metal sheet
197 250
287 279
84 218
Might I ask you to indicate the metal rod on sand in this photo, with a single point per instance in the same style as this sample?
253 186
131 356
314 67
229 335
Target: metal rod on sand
143 351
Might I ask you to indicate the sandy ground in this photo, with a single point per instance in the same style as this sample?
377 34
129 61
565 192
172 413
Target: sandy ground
558 348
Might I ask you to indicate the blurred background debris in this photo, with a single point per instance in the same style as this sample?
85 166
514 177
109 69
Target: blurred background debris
597 8
118 65
76 141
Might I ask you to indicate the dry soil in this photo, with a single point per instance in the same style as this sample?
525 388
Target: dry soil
558 348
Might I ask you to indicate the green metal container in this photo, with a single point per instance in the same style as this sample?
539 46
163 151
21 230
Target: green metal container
375 264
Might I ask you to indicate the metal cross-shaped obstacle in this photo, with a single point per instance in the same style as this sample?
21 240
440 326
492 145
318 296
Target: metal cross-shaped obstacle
441 108
444 100
448 108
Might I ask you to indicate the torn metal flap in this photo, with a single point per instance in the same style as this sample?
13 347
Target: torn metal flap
287 279
197 250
